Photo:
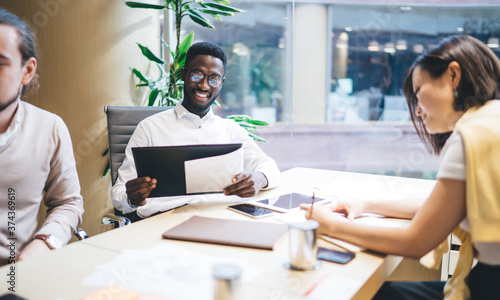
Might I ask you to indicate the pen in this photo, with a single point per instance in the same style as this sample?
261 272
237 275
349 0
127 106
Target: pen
312 205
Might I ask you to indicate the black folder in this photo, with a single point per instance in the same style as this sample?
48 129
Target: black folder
166 164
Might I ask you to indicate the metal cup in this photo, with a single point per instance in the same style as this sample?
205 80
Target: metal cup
226 280
303 245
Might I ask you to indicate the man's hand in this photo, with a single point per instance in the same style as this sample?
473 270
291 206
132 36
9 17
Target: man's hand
246 184
139 189
34 248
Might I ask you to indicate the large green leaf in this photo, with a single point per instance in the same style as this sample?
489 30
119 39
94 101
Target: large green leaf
150 55
172 53
249 128
225 2
139 75
257 122
256 137
215 12
106 170
134 4
217 17
183 48
224 7
152 97
238 118
201 21
171 4
162 70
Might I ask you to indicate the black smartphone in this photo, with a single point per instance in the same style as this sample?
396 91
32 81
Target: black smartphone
335 256
250 210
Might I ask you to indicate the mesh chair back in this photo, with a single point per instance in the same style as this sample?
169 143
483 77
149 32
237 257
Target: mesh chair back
122 121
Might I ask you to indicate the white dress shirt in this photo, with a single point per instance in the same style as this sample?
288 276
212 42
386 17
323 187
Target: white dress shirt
176 127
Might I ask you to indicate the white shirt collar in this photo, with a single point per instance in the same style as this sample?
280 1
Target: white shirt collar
182 112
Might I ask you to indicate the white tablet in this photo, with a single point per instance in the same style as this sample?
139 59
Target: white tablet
288 202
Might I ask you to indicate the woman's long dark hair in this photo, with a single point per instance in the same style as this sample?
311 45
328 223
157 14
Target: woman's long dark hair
480 80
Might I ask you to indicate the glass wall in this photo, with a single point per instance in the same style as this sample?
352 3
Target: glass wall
256 44
329 77
374 46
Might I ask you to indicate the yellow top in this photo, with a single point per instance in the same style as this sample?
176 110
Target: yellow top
480 131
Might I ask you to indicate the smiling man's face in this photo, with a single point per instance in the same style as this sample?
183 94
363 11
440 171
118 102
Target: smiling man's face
199 96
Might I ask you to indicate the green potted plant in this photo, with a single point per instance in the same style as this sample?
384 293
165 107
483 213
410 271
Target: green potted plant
168 86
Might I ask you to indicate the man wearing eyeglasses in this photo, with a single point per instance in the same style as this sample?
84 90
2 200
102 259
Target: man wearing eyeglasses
192 122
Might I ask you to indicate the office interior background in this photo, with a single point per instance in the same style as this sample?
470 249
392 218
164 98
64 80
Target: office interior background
327 75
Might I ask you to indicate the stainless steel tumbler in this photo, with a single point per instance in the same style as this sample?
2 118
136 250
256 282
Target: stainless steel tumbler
226 281
303 248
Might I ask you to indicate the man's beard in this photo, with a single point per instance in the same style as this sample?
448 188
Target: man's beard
13 100
203 109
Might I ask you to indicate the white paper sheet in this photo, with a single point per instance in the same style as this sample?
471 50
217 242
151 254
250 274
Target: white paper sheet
387 189
164 270
212 174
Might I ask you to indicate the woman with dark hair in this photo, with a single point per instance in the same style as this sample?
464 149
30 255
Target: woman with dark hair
452 94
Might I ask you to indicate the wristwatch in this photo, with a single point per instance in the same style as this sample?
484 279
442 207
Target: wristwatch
51 240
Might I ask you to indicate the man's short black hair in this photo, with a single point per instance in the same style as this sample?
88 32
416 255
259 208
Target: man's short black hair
206 48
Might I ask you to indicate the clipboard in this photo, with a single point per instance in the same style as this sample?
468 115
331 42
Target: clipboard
209 167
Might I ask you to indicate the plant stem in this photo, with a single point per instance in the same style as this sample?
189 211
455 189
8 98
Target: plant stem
173 90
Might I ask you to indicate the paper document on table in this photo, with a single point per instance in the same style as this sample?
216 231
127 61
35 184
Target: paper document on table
386 189
212 174
168 271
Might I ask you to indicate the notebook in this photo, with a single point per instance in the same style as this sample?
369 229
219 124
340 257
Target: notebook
249 234
189 169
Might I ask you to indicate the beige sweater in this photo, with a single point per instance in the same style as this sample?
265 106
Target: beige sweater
36 157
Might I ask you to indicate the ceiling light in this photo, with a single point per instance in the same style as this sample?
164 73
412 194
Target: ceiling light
373 46
389 48
493 42
281 43
348 29
460 29
405 8
401 45
418 48
342 41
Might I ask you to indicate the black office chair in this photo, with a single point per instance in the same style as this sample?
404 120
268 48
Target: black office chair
122 121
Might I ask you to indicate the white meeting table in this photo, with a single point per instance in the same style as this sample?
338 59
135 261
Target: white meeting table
59 274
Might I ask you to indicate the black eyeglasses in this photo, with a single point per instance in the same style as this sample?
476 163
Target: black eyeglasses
197 76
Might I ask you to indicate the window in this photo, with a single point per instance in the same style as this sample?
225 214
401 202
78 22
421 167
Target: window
329 77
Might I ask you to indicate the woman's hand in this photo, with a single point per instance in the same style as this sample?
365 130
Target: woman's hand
352 209
326 217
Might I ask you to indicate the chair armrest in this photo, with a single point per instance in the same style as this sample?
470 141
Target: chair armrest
113 219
